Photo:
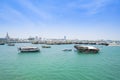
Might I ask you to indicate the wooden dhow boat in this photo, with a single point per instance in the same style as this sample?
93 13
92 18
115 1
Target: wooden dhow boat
86 49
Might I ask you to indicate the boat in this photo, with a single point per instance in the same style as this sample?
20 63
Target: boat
28 49
11 44
106 44
2 43
86 49
35 42
67 50
114 44
46 46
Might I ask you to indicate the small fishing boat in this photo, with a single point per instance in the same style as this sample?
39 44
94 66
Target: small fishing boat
67 50
11 44
35 42
46 46
87 49
2 43
29 49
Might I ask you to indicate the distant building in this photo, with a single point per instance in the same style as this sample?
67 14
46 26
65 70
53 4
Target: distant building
6 39
7 36
64 37
31 38
36 38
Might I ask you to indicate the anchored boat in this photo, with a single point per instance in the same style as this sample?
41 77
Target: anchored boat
11 44
88 49
67 50
29 49
2 43
46 46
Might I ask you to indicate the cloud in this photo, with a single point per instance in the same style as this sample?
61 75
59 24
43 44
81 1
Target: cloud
12 16
91 6
37 10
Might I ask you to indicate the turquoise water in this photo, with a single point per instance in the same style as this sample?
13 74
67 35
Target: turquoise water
55 64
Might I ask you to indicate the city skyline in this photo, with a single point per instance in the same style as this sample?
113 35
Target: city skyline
76 19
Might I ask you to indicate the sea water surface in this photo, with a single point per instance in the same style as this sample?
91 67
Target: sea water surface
55 64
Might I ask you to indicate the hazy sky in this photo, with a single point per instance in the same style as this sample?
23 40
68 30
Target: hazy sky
76 19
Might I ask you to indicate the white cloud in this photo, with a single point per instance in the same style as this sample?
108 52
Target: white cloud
37 10
12 15
91 7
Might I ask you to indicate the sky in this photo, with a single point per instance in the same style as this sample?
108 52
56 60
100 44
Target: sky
75 19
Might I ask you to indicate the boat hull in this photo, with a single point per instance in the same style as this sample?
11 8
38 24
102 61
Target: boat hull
30 51
2 43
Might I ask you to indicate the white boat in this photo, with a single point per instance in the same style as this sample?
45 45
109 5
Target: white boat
114 44
87 49
28 49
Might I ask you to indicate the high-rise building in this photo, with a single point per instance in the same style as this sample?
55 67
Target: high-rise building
64 37
7 36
